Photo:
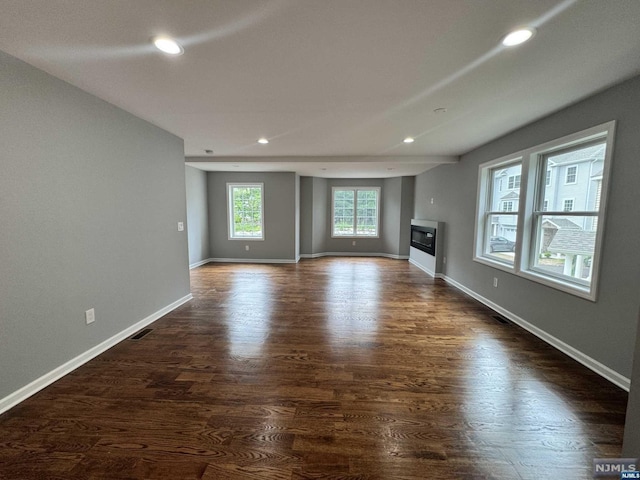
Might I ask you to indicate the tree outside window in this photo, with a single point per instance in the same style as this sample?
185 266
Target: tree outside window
246 211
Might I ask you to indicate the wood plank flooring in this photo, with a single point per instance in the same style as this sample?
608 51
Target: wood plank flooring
334 368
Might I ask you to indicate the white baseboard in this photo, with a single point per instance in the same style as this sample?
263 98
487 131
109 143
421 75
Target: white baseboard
48 378
592 364
426 270
252 260
354 254
199 264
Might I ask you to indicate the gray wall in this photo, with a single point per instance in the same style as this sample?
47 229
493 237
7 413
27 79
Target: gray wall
320 214
605 330
306 219
631 445
90 197
197 214
395 216
363 245
297 218
279 217
390 215
406 214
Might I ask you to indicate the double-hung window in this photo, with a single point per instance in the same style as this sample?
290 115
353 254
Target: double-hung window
355 211
554 233
500 212
246 211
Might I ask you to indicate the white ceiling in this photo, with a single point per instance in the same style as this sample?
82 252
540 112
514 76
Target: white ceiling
329 79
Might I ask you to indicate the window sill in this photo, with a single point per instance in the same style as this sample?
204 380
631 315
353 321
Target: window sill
588 293
247 239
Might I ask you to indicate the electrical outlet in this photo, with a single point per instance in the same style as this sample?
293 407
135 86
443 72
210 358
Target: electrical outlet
495 282
444 260
90 316
246 247
181 226
431 200
353 243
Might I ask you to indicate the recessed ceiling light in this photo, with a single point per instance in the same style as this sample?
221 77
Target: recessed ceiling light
263 141
168 45
408 140
518 36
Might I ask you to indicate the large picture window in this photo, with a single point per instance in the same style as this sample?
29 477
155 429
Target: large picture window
355 211
553 233
246 207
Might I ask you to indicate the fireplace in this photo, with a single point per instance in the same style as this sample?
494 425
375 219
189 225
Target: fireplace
424 238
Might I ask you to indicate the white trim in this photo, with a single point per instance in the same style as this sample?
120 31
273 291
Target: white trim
47 379
230 230
252 260
568 199
566 174
199 264
426 270
527 233
354 254
355 211
592 364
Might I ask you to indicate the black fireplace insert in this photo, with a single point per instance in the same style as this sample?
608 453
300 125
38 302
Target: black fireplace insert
424 238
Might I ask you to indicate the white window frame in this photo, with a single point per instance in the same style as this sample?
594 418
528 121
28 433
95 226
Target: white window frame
564 204
530 210
575 175
483 228
355 211
508 203
230 213
517 179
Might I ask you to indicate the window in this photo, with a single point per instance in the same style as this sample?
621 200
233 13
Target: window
500 216
567 205
572 175
514 182
507 206
550 235
246 207
355 211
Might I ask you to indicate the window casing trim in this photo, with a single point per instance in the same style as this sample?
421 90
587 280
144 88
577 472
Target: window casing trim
355 190
524 263
230 186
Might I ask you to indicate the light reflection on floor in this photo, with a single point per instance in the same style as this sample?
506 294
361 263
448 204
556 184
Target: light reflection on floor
248 312
352 303
506 408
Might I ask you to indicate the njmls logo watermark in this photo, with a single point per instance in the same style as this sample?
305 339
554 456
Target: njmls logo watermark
625 475
607 467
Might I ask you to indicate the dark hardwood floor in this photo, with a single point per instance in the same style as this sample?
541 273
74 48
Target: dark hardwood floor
334 368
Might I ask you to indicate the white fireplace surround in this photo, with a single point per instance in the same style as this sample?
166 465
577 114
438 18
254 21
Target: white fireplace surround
433 265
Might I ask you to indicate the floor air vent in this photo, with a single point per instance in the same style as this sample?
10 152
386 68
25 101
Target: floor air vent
141 334
500 319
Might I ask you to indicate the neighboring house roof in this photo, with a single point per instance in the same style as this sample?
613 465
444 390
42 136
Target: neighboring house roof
583 155
510 196
560 222
578 242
